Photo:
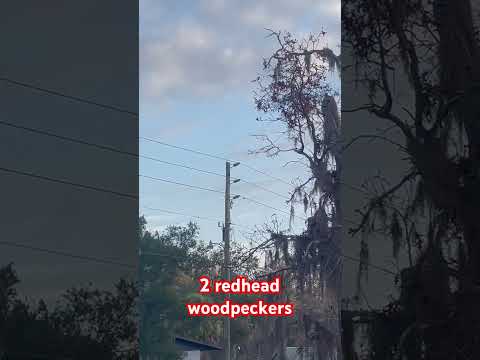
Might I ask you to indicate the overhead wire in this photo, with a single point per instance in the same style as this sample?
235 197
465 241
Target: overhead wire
113 149
108 148
265 189
66 96
104 147
269 206
266 174
66 254
184 149
67 182
121 110
195 187
213 156
181 214
194 216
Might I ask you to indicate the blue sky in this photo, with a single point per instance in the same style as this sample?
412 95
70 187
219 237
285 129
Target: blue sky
197 61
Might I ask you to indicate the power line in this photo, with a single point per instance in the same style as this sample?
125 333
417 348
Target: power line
65 254
193 216
184 166
131 266
181 214
66 182
112 262
102 147
248 182
352 258
223 159
269 206
108 148
218 192
112 149
114 108
66 138
218 157
265 173
265 189
70 97
185 149
181 184
120 110
215 191
221 192
213 156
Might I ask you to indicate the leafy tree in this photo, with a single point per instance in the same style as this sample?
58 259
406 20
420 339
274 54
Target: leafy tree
85 323
160 306
171 263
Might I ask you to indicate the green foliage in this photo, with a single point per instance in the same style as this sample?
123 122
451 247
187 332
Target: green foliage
170 264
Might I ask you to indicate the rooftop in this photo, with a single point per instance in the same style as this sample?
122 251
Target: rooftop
185 344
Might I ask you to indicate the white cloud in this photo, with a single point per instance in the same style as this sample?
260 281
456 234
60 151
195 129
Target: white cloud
331 8
217 45
193 38
214 6
261 15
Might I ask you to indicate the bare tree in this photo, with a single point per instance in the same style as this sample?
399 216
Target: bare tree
294 92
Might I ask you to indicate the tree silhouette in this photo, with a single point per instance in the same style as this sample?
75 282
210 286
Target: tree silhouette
294 92
433 45
85 323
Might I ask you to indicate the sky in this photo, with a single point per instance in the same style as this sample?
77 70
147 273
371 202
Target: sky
197 63
86 50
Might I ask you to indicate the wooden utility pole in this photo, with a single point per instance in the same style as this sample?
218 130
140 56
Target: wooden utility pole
226 239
